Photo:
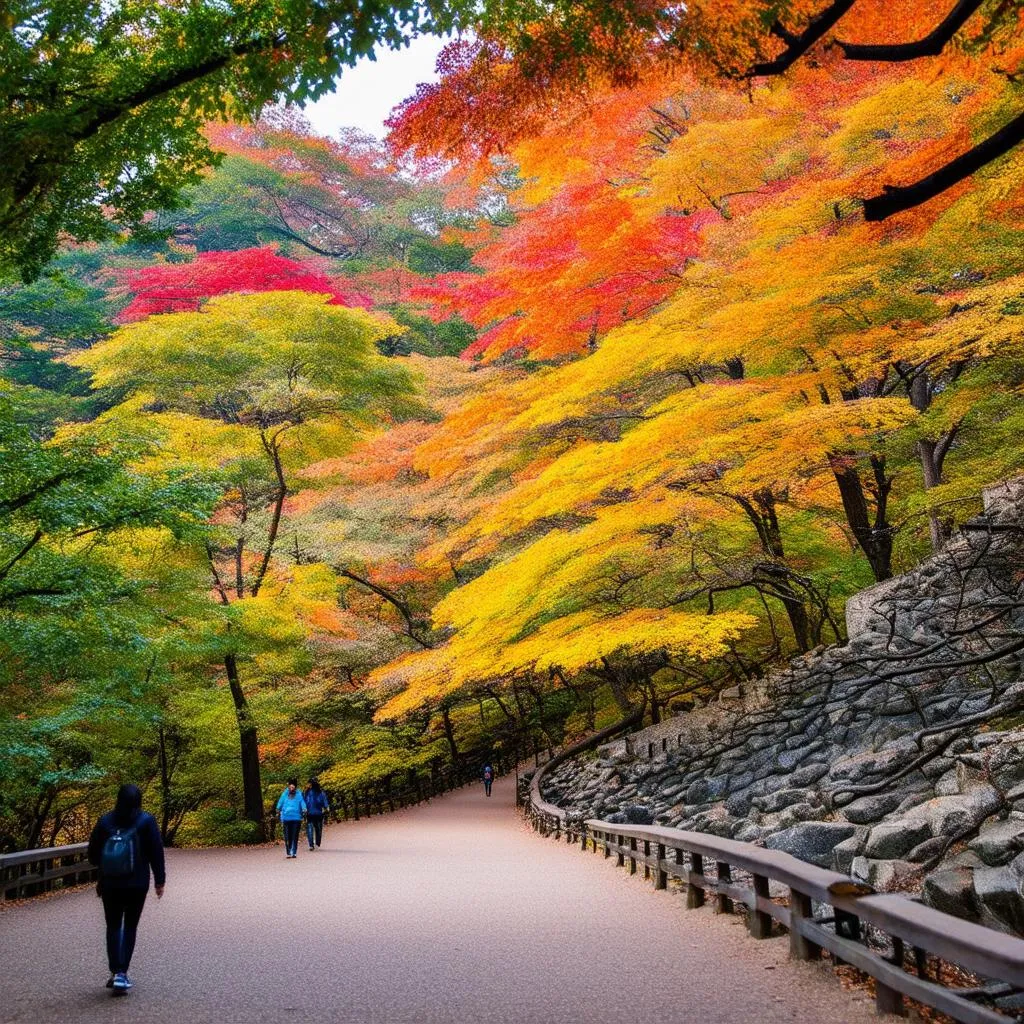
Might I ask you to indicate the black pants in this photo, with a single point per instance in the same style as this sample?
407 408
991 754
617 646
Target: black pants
122 908
291 836
314 829
487 786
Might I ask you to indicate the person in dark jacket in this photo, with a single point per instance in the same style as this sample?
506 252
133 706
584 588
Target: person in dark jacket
317 807
488 777
125 865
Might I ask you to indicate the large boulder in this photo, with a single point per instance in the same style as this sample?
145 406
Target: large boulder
704 791
1000 892
885 875
999 842
891 839
812 841
952 892
844 852
951 815
868 809
637 814
780 799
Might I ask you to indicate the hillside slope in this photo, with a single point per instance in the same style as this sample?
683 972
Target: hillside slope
898 756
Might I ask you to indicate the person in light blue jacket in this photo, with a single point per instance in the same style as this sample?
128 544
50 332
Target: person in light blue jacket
290 809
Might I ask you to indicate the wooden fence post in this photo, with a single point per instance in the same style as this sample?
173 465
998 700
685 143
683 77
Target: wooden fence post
760 922
888 1000
660 874
723 903
800 948
694 893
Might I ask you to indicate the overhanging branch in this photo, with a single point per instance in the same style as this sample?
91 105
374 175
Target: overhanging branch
897 198
930 46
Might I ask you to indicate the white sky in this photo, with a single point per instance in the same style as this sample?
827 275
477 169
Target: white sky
365 94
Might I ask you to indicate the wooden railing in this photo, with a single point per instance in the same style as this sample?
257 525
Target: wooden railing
386 796
820 909
31 872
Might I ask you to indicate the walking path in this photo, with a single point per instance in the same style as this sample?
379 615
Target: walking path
450 911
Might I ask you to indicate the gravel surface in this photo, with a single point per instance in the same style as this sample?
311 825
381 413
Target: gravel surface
451 911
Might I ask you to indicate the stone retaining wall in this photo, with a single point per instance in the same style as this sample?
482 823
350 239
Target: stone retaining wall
898 757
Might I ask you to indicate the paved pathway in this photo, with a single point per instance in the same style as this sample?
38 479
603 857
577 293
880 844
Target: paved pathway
451 911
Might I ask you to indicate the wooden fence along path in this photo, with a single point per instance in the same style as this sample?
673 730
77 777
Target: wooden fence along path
821 910
30 872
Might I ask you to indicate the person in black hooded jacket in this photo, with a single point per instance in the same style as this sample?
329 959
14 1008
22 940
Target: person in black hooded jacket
124 894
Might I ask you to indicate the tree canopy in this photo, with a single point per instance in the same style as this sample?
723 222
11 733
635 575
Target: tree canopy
594 392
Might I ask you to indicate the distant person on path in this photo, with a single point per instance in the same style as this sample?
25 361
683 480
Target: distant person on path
290 809
488 777
317 806
125 845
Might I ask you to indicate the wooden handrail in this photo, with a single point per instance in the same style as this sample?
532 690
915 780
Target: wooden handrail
675 853
18 879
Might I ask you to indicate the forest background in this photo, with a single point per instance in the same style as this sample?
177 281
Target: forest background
594 390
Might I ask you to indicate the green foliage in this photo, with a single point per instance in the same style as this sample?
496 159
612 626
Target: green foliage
103 106
428 337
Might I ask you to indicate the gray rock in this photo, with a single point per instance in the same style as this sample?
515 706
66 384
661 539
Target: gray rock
812 841
638 814
809 810
965 859
1000 891
884 875
703 791
1007 765
914 798
947 784
844 852
868 809
937 768
952 892
740 781
808 775
780 799
999 842
739 805
951 815
893 839
790 759
747 832
925 851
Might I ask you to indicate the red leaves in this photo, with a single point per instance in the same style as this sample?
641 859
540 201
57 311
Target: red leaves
180 287
572 269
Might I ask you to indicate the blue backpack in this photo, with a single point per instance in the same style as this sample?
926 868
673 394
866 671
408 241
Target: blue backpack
118 857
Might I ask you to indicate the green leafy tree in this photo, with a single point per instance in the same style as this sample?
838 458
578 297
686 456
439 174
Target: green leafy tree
258 386
84 599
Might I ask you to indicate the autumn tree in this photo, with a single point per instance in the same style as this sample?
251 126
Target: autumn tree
254 381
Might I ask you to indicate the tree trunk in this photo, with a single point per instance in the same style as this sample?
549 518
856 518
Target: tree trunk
165 787
797 613
616 685
252 786
449 733
875 540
